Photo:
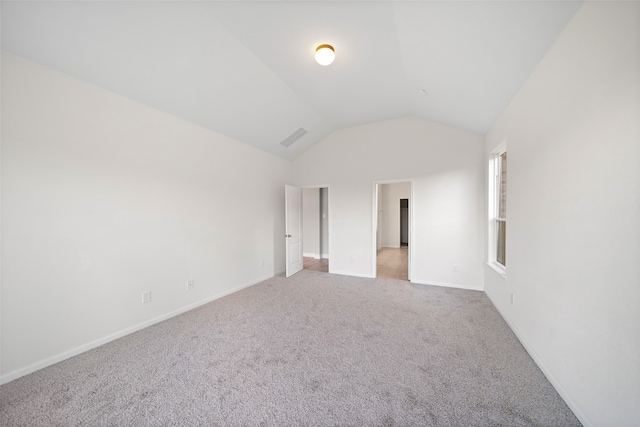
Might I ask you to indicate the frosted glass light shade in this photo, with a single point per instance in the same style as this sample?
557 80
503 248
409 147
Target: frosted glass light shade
325 54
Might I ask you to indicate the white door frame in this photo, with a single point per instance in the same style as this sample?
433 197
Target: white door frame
374 237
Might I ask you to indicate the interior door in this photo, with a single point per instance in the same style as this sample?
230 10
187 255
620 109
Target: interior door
293 229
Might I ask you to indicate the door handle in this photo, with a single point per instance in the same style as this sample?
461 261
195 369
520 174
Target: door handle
288 235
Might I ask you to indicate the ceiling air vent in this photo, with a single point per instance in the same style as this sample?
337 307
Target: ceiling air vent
293 137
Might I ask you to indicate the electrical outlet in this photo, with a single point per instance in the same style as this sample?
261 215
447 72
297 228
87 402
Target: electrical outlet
353 259
455 268
261 263
512 299
190 285
146 297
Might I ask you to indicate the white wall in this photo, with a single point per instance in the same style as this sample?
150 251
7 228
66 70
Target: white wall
573 235
311 222
379 218
389 212
446 166
104 198
324 222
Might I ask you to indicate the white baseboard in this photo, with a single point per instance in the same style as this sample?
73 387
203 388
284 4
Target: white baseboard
315 256
556 384
368 276
448 285
10 376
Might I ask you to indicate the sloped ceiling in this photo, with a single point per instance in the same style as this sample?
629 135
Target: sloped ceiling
246 69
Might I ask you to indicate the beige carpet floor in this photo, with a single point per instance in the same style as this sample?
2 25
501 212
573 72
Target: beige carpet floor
313 350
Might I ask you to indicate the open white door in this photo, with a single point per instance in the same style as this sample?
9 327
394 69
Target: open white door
293 229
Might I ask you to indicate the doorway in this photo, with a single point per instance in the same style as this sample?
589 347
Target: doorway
404 222
393 230
315 228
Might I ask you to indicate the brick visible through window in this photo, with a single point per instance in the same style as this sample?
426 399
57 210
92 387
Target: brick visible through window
502 208
501 220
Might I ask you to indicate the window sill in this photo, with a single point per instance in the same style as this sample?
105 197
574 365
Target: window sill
499 268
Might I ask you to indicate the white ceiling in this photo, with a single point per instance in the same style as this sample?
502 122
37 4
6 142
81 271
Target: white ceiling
246 69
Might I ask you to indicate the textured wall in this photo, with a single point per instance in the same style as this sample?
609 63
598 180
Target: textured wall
105 198
446 167
573 235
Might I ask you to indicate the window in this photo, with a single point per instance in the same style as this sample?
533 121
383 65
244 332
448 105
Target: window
498 208
501 218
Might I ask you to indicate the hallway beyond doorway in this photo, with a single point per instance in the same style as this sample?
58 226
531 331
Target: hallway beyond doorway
316 264
392 263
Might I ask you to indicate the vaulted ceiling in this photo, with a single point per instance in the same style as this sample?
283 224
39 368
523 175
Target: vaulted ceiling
247 70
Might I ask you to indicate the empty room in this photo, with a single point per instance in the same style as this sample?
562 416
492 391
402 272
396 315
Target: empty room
168 168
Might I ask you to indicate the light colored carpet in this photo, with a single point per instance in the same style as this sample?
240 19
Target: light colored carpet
315 349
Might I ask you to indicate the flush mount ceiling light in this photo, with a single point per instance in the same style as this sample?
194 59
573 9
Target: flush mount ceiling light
325 54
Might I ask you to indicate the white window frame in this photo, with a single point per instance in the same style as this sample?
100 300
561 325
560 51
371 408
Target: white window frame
493 203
